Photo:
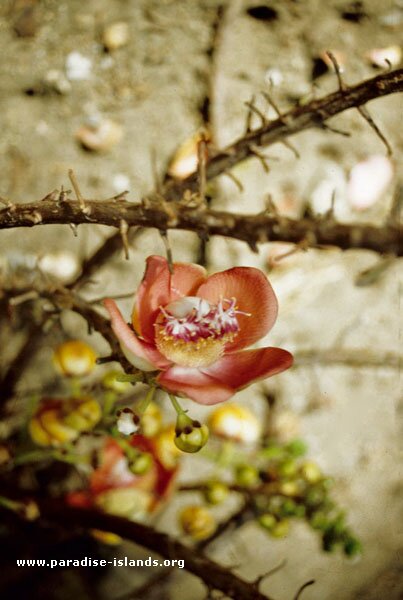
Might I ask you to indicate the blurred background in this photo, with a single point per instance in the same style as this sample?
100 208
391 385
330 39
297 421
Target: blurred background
109 87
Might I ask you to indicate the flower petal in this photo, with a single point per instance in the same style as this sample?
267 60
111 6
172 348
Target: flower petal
254 295
229 374
186 279
194 384
154 291
142 355
159 287
239 369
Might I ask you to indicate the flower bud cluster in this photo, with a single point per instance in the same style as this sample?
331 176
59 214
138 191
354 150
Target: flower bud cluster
61 420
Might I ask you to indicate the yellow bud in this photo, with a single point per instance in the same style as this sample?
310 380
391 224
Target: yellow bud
85 414
74 358
130 502
311 472
106 537
281 529
197 522
216 492
30 510
168 454
110 382
60 420
289 488
236 423
151 420
53 425
38 434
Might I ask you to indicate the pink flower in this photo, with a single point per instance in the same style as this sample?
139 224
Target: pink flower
193 329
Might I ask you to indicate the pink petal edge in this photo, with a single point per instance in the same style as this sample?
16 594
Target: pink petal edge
129 340
195 385
228 375
159 288
254 295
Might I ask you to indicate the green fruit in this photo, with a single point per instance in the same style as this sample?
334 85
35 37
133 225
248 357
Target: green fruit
247 476
352 547
216 492
296 448
267 521
281 529
288 468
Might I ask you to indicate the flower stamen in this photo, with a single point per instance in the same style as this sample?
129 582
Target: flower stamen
193 333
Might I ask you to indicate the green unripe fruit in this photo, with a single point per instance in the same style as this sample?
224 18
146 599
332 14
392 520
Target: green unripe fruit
281 529
296 448
140 464
216 492
311 472
287 469
267 521
352 547
190 435
319 521
247 476
288 508
314 497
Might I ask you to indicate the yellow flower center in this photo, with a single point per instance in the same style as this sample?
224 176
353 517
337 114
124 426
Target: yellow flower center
192 332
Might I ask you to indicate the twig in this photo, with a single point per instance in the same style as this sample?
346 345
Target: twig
301 589
361 109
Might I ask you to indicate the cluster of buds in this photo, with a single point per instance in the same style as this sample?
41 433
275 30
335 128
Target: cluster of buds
131 479
190 435
61 420
292 487
282 483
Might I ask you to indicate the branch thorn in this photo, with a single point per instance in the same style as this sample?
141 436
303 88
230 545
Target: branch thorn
123 229
301 589
86 209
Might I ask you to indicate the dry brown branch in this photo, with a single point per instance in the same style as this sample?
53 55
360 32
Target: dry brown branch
238 517
213 574
18 365
107 249
300 118
252 229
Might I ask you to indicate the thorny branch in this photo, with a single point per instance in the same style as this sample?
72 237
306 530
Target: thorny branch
313 114
213 574
252 229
